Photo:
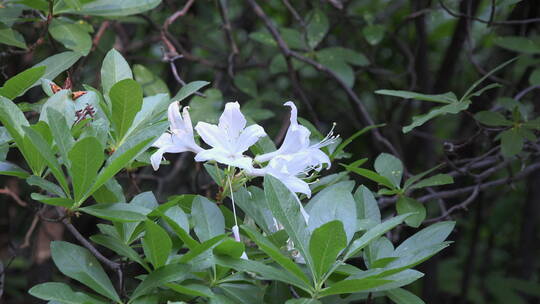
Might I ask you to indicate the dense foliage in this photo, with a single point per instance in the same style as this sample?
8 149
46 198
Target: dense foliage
433 101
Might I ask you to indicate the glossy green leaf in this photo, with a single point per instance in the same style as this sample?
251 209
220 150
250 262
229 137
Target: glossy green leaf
45 185
116 8
119 247
286 209
151 83
435 180
429 236
374 33
53 201
390 167
316 27
78 263
62 293
366 205
114 69
126 100
117 212
197 290
275 253
72 35
159 277
201 248
492 119
116 165
352 286
406 205
20 83
86 157
268 272
57 64
511 142
11 37
41 145
370 175
189 89
208 219
440 98
452 108
303 301
157 244
7 168
325 244
373 234
402 296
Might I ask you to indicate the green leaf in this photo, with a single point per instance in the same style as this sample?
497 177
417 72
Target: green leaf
533 124
285 207
303 301
159 277
11 37
435 180
119 247
61 134
470 93
151 84
126 100
316 27
274 253
41 145
334 203
452 108
197 290
253 202
14 121
75 4
114 69
20 83
518 44
182 233
230 247
366 205
390 167
492 119
45 185
402 296
116 165
534 79
62 293
429 236
370 175
338 65
53 201
373 33
7 168
268 272
86 157
78 263
207 218
112 9
407 205
56 64
72 35
117 212
325 244
201 248
246 84
511 142
189 89
413 179
373 234
157 244
440 98
352 286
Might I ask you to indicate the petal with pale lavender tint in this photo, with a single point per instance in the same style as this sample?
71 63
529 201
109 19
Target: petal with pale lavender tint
248 137
232 120
173 114
212 135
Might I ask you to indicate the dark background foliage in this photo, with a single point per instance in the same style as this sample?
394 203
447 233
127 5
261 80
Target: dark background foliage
426 46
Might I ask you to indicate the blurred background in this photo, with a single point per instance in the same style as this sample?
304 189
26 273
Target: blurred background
331 57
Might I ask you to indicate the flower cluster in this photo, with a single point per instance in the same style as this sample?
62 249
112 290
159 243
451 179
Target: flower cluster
230 139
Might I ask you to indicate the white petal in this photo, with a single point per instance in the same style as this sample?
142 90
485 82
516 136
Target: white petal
232 120
175 119
164 140
294 112
212 135
236 233
188 126
249 137
156 158
318 158
295 184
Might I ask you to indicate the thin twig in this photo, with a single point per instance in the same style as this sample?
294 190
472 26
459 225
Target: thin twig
229 36
14 196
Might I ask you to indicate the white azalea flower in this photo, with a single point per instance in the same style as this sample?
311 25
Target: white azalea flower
229 139
178 139
297 141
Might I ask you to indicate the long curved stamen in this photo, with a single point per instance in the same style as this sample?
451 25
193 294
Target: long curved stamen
329 139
